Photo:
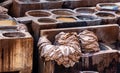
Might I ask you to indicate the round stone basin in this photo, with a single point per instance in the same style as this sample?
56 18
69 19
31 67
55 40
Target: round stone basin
62 12
66 19
47 20
105 15
86 17
85 10
107 6
38 13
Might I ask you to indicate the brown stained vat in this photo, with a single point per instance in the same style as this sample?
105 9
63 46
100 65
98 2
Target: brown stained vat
62 12
38 13
105 15
91 59
66 19
21 6
46 20
14 34
85 10
19 47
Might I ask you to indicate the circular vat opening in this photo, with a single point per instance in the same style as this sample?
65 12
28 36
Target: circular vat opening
14 34
4 16
85 10
47 20
38 13
86 17
106 15
108 6
66 19
62 12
